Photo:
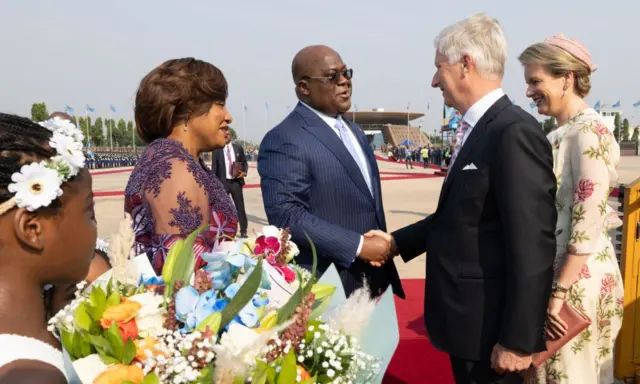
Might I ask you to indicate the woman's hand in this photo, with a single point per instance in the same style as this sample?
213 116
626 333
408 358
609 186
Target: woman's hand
555 326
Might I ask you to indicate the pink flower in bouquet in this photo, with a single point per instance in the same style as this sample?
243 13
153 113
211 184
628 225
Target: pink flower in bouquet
286 272
269 246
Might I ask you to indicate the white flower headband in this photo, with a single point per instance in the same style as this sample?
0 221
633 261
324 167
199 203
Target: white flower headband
38 184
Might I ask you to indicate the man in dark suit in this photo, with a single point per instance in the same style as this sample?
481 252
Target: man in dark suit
319 176
229 164
490 243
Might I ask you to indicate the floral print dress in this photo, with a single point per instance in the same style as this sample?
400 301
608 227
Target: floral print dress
585 158
169 195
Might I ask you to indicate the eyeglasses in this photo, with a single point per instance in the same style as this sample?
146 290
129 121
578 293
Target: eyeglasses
334 78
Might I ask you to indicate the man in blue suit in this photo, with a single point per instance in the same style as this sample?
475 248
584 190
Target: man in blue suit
319 176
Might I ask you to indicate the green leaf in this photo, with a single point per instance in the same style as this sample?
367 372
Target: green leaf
151 378
97 303
110 286
100 343
286 311
180 263
288 370
114 299
212 322
115 340
323 294
206 375
82 317
244 295
67 343
259 377
129 352
106 359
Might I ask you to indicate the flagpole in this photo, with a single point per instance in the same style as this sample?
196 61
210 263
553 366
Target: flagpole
133 131
109 130
244 125
86 121
408 107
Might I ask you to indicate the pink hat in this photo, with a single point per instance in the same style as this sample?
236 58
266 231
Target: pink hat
573 47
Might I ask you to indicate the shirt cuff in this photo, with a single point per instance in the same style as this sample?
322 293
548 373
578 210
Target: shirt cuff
359 248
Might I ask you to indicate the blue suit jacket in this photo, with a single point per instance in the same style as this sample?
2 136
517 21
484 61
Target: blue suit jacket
310 183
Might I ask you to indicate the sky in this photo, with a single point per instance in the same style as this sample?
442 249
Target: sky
87 52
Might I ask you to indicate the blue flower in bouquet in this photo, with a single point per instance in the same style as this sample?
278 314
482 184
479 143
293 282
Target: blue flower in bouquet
192 308
224 264
150 281
249 316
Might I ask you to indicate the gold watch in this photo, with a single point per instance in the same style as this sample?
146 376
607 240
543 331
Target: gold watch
557 288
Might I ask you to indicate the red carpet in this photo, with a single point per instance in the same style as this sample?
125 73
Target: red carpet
416 361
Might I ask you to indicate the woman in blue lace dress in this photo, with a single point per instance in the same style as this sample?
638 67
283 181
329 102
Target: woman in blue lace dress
180 112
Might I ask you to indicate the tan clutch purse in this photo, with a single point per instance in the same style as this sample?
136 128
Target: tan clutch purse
576 322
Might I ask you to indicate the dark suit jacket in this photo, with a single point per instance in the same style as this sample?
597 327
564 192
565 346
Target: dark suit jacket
218 167
311 184
490 244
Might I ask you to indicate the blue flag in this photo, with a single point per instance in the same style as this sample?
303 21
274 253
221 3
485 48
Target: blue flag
597 106
636 104
89 108
68 109
112 108
266 106
616 104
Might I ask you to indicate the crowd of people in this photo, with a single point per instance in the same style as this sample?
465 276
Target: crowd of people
520 231
108 159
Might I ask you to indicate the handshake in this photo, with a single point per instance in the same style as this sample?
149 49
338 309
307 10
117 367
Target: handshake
377 248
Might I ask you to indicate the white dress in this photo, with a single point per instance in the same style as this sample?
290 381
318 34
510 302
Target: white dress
27 348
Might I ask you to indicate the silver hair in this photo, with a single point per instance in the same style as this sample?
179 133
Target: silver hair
480 37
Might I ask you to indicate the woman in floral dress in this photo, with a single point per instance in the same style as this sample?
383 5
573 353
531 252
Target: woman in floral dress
585 158
181 113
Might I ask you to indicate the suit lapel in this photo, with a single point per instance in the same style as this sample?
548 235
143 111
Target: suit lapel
325 134
477 132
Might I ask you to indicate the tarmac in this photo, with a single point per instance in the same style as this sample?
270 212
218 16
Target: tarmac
408 196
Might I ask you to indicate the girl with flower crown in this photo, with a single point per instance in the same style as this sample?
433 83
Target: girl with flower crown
48 237
181 113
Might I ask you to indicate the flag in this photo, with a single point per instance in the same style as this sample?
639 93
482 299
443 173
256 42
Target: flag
597 106
409 106
636 104
244 106
112 108
616 104
68 109
513 101
133 106
532 105
428 107
266 106
355 107
89 109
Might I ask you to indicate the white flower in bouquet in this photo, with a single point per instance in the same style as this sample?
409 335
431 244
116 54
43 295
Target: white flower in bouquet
236 340
89 368
150 318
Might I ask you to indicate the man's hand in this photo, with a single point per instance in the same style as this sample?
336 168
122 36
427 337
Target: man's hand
388 239
504 360
375 250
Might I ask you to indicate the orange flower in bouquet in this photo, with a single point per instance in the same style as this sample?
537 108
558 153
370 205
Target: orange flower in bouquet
123 315
118 373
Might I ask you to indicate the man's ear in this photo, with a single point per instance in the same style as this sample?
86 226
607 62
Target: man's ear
303 87
28 229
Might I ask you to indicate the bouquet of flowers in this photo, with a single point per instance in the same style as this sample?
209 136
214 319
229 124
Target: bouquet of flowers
250 315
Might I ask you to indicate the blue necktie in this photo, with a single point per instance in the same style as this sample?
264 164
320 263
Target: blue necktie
348 143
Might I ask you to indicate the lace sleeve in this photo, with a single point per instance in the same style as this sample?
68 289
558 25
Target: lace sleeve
179 204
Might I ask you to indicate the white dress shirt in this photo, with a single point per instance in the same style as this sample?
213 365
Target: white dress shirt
229 166
331 122
477 110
